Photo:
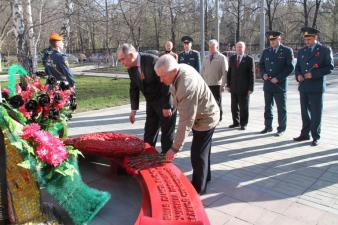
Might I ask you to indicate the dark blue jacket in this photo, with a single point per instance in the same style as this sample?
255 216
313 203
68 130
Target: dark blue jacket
319 63
56 65
278 65
192 58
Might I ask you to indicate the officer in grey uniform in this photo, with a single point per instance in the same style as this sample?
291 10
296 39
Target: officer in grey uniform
189 56
275 66
314 62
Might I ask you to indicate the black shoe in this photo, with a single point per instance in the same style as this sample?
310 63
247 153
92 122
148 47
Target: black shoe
243 128
279 133
301 138
266 130
234 125
315 142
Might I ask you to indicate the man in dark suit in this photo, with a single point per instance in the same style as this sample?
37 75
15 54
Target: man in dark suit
189 56
240 83
314 62
275 66
159 107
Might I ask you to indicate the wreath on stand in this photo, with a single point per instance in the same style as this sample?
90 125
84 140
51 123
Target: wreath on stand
33 117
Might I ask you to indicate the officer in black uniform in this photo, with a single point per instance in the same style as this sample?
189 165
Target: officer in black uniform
55 62
275 66
314 62
189 56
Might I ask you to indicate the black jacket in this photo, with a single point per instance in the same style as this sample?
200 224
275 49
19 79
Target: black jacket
241 79
151 86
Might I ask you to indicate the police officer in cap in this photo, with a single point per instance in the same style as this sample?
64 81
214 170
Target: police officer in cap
275 66
314 62
55 62
189 56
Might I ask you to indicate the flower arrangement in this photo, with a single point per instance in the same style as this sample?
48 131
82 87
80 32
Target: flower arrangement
42 103
49 149
31 118
36 113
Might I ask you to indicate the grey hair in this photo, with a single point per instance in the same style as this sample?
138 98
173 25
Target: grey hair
213 42
126 48
166 62
242 43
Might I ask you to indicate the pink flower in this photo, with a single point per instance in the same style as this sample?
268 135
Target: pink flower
30 130
49 149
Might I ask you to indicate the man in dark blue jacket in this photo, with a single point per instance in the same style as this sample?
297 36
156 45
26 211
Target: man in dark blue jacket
189 56
55 62
275 66
314 62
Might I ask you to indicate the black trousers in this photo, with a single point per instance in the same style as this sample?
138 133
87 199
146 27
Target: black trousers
240 108
155 121
216 91
311 108
3 182
280 99
200 158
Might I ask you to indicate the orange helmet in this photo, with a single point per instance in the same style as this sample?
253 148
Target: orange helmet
55 37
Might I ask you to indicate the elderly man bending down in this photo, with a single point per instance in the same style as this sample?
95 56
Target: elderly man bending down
198 110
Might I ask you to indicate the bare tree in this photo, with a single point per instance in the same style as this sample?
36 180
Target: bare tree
4 5
30 38
271 9
65 29
19 32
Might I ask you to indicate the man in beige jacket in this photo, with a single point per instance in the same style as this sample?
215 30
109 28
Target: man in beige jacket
214 72
198 111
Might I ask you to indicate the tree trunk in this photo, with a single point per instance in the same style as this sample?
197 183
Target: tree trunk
238 22
172 24
306 15
268 12
31 38
314 22
65 29
19 32
335 26
106 41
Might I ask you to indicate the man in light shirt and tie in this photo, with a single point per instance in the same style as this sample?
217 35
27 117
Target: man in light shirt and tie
214 72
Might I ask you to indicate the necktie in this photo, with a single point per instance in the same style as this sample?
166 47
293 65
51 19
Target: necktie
211 57
238 60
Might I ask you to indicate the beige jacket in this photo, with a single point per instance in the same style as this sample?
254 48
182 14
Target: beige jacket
215 72
196 105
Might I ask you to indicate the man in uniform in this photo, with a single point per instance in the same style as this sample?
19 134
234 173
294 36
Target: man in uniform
189 56
275 66
160 112
198 111
55 62
314 62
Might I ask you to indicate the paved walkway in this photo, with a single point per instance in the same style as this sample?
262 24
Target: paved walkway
256 179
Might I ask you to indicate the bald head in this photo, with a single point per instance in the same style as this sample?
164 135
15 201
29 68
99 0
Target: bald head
168 46
240 48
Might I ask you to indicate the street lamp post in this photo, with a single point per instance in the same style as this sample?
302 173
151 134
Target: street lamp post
262 27
202 29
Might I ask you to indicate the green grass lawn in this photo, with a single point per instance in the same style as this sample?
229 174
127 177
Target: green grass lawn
99 92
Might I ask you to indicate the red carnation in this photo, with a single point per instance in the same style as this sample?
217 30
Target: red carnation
315 66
